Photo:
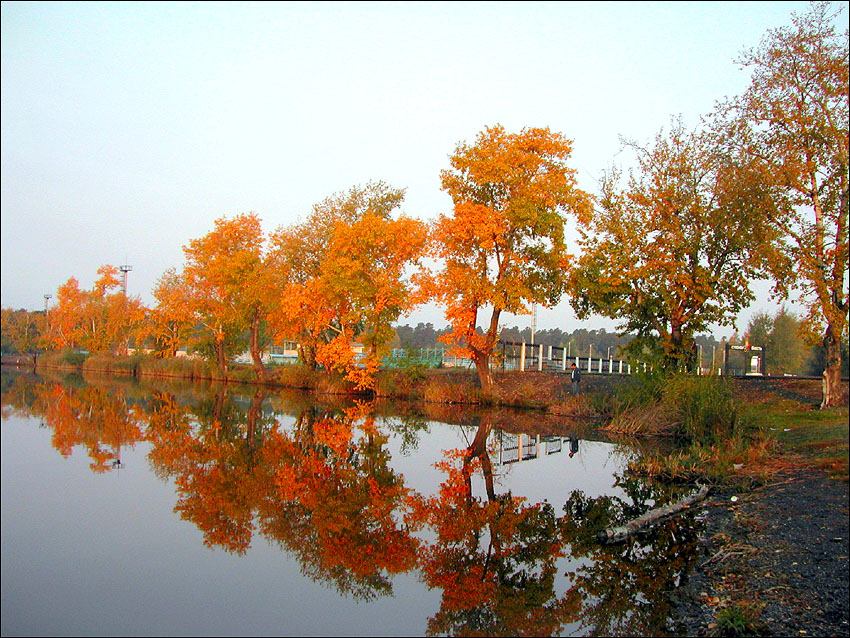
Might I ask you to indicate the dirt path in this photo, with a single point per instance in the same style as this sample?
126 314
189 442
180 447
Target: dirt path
782 550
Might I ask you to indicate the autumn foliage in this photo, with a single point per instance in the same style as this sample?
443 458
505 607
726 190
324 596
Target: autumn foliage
502 248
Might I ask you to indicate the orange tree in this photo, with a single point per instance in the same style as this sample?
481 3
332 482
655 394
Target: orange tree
673 251
342 276
364 276
220 269
101 319
503 247
65 318
170 322
792 122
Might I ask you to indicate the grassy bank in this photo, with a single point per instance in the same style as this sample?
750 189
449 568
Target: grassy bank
539 391
728 430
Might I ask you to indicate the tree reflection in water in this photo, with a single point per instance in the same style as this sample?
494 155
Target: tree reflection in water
495 559
324 489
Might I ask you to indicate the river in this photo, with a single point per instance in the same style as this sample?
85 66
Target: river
167 508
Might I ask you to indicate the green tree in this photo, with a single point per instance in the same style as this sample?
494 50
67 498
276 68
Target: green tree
760 328
782 334
674 250
787 352
21 330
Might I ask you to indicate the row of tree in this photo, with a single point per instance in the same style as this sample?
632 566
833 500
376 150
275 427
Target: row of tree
759 190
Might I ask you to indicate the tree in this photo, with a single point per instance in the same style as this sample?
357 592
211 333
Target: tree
102 319
759 328
787 352
221 268
792 122
673 251
343 276
364 274
170 322
21 330
781 334
503 246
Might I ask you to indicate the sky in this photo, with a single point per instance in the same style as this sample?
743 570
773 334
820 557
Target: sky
129 128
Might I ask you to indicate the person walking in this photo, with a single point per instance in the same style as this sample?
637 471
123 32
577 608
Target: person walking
575 379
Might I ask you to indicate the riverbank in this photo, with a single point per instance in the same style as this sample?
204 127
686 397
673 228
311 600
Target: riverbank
773 562
547 391
774 559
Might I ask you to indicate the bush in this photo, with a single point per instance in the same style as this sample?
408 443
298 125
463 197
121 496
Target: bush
740 620
702 408
107 362
63 359
400 382
175 367
641 389
452 388
694 409
297 375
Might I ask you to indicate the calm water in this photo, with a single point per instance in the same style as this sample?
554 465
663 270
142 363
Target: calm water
157 509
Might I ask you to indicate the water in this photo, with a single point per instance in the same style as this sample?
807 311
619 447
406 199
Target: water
173 509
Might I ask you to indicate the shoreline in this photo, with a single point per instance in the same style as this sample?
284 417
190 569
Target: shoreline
777 556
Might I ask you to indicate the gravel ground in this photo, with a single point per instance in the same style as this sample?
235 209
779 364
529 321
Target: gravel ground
783 549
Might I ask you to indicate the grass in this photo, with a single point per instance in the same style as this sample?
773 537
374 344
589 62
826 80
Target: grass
806 436
715 438
740 619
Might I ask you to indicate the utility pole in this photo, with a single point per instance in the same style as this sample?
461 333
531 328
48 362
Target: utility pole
47 299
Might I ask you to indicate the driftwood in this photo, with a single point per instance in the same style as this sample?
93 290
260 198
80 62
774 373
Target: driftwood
621 533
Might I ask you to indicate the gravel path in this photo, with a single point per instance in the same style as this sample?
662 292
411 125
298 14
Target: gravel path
782 548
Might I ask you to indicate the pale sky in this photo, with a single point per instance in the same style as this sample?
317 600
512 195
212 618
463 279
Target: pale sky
127 129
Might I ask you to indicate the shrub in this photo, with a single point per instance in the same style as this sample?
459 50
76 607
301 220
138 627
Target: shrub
175 367
296 375
401 383
740 619
116 364
702 408
452 388
642 388
63 359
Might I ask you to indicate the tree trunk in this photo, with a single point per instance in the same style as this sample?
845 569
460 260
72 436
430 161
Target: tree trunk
832 369
485 374
221 360
617 534
478 449
256 355
674 356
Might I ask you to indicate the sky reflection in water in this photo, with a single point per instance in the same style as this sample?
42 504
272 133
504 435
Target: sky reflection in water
235 512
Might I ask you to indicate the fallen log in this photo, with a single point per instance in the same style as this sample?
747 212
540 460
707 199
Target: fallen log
621 533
